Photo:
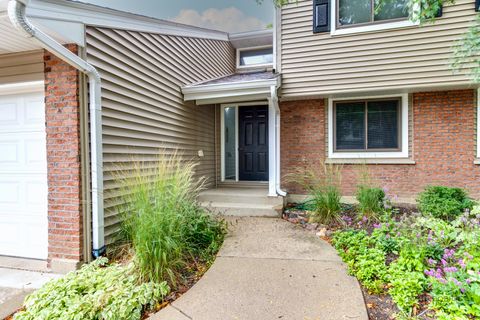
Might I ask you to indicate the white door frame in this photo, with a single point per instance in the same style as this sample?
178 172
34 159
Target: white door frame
222 137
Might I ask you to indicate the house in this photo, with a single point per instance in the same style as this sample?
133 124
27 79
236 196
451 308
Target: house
374 88
85 90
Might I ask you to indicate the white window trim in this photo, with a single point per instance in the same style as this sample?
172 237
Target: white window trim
253 65
366 28
370 155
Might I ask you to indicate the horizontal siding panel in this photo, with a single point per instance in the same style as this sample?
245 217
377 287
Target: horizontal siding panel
143 109
321 64
21 67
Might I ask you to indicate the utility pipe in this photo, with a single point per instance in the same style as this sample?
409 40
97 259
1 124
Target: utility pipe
16 13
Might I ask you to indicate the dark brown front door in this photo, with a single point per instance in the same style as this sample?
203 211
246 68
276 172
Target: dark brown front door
253 143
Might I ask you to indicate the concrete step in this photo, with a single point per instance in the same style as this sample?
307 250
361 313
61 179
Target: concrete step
243 185
233 195
243 209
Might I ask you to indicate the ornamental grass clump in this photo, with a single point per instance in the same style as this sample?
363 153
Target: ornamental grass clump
162 219
324 191
371 199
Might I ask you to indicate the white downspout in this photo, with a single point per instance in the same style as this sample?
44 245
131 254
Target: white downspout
274 98
16 13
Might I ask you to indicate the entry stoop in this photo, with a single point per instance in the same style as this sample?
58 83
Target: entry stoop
241 201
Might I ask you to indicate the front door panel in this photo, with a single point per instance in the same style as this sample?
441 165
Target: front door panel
253 143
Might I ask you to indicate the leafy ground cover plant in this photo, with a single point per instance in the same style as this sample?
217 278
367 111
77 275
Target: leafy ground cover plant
426 264
163 221
444 202
96 291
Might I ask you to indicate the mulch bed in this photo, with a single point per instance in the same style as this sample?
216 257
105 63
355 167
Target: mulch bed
379 306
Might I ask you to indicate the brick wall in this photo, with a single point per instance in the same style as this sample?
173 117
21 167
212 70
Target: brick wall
65 234
443 145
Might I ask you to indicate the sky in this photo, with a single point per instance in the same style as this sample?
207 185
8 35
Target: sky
224 15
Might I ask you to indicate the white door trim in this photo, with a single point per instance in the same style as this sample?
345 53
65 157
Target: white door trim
222 136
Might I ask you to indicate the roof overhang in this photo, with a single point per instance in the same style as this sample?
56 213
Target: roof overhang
230 92
252 39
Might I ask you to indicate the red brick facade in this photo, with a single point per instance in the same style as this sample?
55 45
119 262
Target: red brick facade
65 234
443 146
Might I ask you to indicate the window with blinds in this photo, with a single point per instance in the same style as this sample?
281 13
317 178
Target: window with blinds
369 125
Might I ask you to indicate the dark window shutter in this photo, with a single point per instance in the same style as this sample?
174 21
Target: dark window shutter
477 5
439 12
321 16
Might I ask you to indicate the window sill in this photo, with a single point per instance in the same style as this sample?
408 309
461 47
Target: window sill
373 28
477 161
370 161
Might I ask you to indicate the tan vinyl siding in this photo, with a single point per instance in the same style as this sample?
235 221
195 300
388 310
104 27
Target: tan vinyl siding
21 67
412 57
143 108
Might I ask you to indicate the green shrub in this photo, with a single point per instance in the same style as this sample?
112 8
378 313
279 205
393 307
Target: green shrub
162 219
444 202
96 291
370 201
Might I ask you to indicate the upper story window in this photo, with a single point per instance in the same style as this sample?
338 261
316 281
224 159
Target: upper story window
255 57
361 12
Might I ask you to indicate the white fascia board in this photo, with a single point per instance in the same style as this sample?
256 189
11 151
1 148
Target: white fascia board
104 17
220 90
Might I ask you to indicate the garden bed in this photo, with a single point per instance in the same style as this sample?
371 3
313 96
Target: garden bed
167 242
409 264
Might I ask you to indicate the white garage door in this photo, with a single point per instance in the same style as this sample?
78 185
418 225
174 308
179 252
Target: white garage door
23 176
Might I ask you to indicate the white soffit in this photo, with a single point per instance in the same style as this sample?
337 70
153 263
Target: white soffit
252 39
12 40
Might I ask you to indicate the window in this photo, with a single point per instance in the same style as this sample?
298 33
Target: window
368 128
355 12
367 125
255 57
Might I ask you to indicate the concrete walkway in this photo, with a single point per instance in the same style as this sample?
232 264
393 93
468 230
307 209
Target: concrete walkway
16 284
271 269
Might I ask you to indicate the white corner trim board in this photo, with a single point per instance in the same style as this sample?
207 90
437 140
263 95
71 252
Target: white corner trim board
403 153
478 127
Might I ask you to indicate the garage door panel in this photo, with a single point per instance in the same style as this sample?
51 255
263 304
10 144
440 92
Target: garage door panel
9 193
23 177
9 152
9 114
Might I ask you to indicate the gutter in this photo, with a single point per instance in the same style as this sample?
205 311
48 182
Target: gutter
16 13
274 97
